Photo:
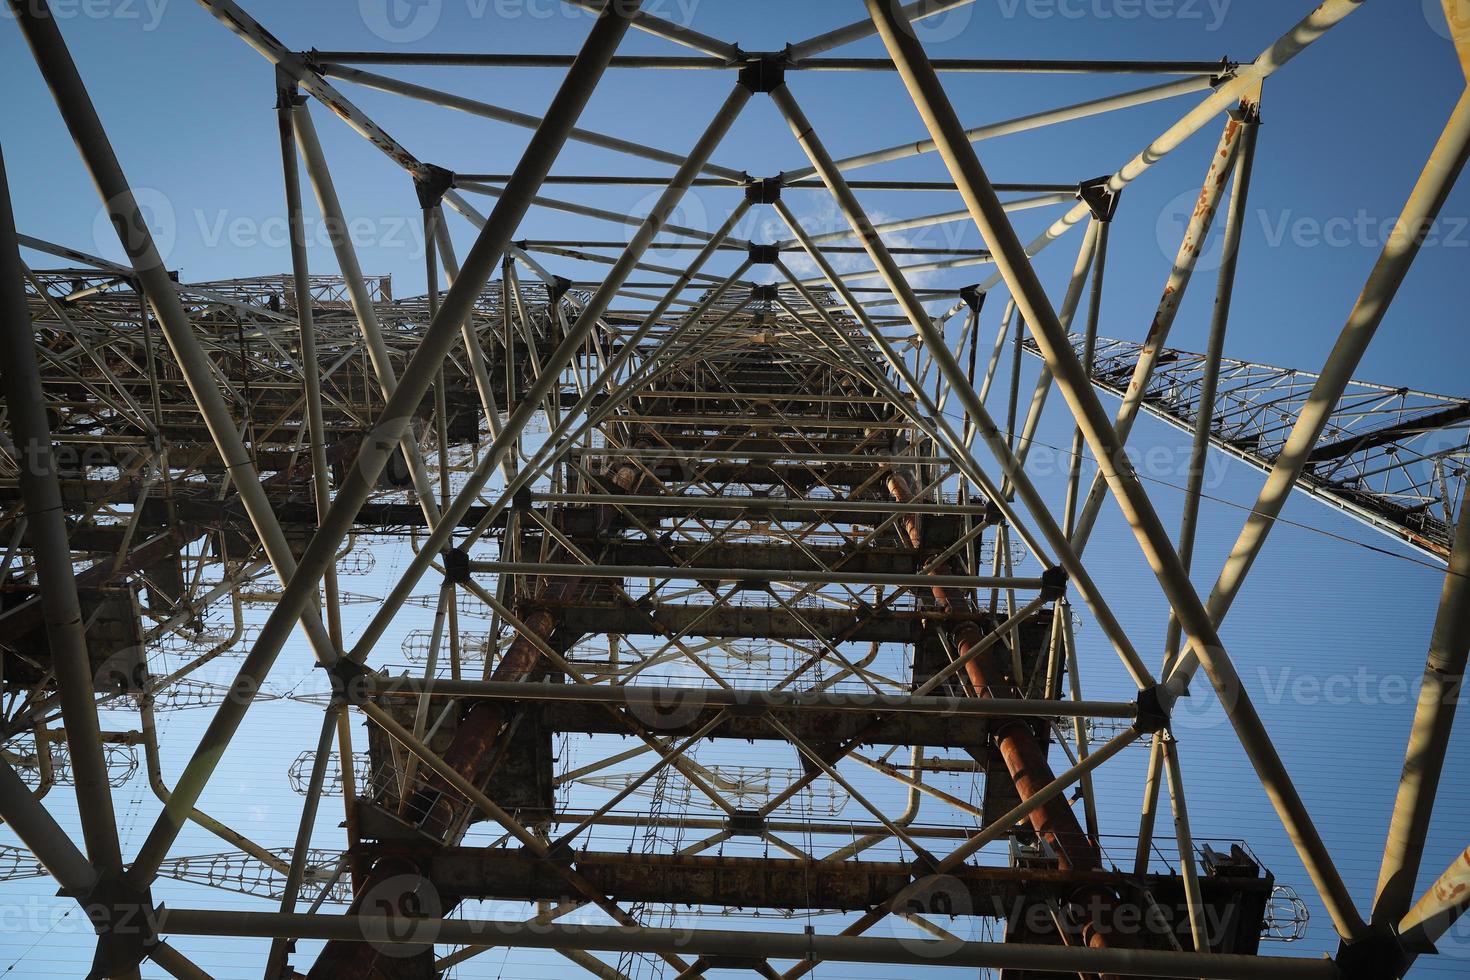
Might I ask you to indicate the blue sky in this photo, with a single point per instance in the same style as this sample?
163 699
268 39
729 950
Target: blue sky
1346 128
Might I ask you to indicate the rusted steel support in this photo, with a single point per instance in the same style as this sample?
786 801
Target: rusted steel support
1024 756
476 750
473 753
765 883
922 952
1439 907
974 186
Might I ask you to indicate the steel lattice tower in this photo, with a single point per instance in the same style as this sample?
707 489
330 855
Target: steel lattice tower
766 507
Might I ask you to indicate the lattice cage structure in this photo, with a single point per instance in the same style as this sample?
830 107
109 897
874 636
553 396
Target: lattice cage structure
721 581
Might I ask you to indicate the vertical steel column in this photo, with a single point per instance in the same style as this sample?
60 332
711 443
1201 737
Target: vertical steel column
276 960
444 247
1196 232
26 405
536 162
330 205
985 208
1444 675
1225 284
1054 820
286 99
1214 350
1000 342
1068 310
1198 927
1440 172
60 72
1089 348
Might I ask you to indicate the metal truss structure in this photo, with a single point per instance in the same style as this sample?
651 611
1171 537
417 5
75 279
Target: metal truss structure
730 502
1395 458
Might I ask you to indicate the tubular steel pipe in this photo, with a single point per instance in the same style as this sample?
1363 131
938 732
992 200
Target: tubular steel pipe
934 341
39 831
1434 716
331 59
286 99
658 27
1184 838
474 352
856 31
276 959
960 159
850 949
1245 79
176 964
1022 124
320 176
1440 172
1089 354
1025 759
1439 907
481 261
525 120
1200 445
1068 310
1196 231
51 550
61 75
1214 350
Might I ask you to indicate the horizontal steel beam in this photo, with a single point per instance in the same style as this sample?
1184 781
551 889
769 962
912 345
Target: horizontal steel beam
651 696
758 882
774 505
1025 66
851 949
751 621
756 575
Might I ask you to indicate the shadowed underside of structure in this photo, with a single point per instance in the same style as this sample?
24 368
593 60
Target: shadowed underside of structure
722 587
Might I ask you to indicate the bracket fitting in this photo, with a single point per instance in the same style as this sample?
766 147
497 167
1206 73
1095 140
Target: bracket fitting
766 190
456 565
1151 715
746 823
764 254
1380 954
1054 583
1100 200
764 72
350 681
126 923
972 297
430 182
556 289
